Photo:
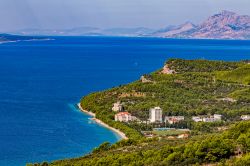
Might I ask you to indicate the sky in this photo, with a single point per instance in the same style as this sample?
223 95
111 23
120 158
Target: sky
65 14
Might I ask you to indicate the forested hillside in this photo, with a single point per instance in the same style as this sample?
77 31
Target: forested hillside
196 88
228 148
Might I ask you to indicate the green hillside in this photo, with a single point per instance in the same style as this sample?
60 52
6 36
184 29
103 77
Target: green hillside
239 75
198 88
181 66
218 148
241 95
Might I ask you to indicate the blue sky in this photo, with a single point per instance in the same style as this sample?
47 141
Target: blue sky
63 14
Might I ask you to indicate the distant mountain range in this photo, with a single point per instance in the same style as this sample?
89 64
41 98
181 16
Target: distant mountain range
87 31
225 25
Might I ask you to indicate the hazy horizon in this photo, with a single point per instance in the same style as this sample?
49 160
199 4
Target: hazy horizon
62 14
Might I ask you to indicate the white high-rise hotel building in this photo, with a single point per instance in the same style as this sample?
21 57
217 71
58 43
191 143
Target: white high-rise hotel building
155 115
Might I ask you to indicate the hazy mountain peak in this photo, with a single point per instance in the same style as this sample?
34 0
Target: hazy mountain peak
224 25
175 30
227 13
187 26
188 23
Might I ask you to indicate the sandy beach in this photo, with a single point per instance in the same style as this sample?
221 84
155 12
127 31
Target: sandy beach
121 134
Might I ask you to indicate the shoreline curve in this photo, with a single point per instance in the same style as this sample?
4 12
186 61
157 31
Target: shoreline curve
121 134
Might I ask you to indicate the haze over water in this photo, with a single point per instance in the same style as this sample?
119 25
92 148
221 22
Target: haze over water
40 82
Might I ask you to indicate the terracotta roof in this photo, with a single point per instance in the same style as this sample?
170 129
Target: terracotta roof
123 113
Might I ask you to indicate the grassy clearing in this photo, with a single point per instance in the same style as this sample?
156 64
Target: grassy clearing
171 132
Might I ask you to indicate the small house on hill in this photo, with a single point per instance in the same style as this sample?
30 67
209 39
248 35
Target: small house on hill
145 79
183 136
167 70
117 107
245 117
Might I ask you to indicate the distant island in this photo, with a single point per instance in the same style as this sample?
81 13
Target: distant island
190 112
224 25
7 38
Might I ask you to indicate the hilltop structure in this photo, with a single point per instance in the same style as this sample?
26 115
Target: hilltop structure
167 70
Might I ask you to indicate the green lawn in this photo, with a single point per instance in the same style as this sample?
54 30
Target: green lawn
171 132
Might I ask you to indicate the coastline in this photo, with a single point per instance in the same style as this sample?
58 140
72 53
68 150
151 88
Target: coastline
121 134
28 40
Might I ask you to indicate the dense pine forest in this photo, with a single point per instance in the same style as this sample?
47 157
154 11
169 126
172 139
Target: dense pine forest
193 88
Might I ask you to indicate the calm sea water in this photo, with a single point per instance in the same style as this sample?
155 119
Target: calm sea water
40 82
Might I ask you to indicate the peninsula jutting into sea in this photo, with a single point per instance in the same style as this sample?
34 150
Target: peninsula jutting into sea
189 112
125 83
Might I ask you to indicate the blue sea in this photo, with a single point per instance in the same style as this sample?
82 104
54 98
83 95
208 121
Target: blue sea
41 81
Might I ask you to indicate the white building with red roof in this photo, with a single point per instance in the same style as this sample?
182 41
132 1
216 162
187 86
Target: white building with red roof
174 119
123 117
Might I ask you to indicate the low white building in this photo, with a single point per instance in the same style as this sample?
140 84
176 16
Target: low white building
174 119
197 119
227 99
155 115
217 117
214 118
209 119
117 107
123 117
245 117
183 136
